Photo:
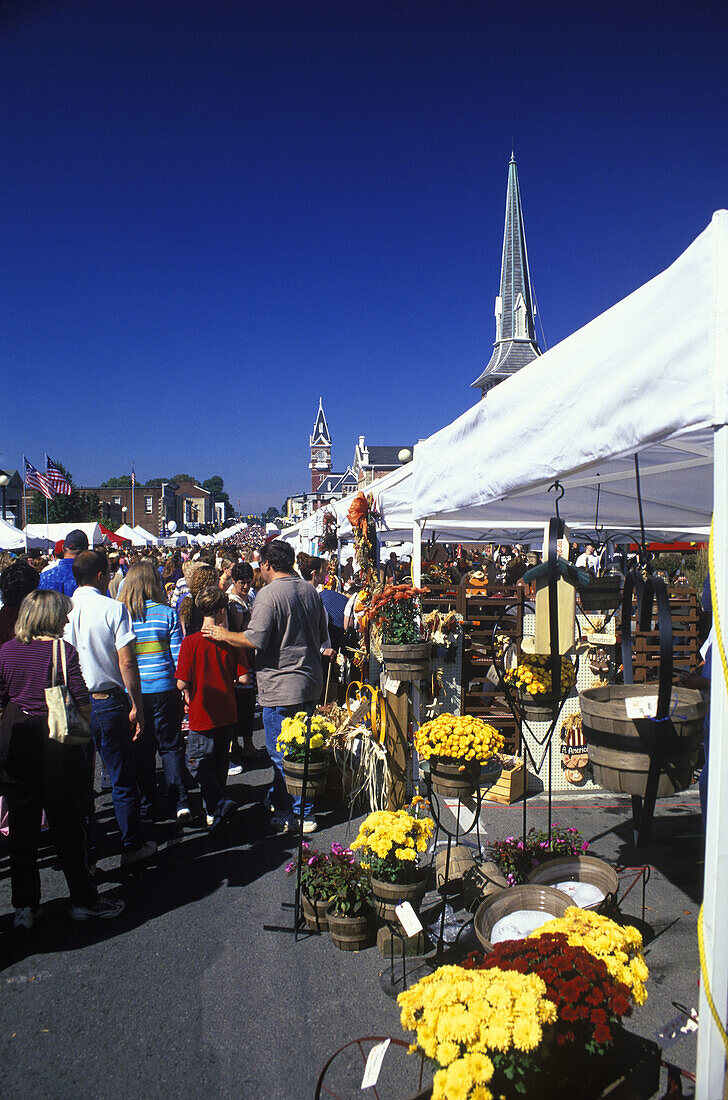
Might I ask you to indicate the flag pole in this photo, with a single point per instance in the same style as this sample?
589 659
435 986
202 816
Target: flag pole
25 510
46 503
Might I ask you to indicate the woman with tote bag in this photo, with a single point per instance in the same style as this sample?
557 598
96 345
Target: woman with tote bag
38 771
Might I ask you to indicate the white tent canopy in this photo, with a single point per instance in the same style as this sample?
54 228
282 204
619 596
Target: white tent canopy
11 538
57 531
649 376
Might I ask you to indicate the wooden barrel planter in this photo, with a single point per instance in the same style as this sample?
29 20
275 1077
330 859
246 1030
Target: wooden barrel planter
314 913
407 662
315 780
454 780
580 869
462 860
351 933
620 748
388 895
601 594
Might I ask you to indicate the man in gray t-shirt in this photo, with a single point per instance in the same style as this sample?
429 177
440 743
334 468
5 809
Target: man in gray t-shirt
287 630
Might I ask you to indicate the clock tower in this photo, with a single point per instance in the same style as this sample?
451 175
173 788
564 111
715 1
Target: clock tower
320 444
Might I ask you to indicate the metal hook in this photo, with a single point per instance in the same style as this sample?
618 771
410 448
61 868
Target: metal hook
558 488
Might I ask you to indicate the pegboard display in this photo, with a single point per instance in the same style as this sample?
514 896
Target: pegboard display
586 678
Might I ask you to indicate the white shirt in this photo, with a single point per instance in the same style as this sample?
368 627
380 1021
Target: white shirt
97 628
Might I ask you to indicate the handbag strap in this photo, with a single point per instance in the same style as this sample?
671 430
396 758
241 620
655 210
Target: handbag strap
58 644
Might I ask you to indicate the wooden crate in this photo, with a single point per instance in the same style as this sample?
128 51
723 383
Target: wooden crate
685 625
509 787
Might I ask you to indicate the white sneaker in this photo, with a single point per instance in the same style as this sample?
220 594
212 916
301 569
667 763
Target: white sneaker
235 769
184 813
268 805
26 917
136 854
310 825
209 819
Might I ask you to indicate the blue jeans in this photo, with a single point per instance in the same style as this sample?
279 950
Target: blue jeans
208 757
111 732
163 734
278 795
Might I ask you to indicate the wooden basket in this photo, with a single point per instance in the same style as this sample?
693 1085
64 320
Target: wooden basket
580 869
543 899
509 787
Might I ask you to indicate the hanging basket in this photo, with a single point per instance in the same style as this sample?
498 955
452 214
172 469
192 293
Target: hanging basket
315 780
620 747
539 708
601 594
388 895
407 662
454 780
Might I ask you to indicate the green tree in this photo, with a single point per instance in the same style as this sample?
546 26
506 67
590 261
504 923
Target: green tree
123 482
270 515
184 477
216 488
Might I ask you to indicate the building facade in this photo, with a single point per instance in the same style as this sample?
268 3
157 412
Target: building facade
154 506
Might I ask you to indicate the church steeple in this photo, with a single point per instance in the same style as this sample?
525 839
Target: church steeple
515 331
320 444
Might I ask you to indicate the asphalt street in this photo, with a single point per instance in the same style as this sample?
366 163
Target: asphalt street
193 991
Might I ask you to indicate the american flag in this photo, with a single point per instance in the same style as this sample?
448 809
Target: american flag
133 476
34 479
57 478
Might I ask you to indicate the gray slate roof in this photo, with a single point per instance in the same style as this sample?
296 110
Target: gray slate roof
513 348
320 432
384 456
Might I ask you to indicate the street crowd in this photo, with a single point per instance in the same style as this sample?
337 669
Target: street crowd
167 655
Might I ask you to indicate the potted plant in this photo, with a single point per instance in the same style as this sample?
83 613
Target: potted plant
295 733
396 612
532 680
542 1017
455 747
318 873
390 841
517 858
350 913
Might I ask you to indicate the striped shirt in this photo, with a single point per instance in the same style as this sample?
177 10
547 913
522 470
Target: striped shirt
158 639
26 671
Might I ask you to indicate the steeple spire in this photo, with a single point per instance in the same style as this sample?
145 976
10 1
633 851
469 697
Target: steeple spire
515 331
320 445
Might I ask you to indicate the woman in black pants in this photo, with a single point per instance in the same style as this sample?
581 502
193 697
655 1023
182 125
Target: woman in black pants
38 773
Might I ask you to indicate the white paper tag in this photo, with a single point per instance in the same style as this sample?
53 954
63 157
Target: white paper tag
388 684
641 706
374 1064
492 676
691 1024
408 918
600 639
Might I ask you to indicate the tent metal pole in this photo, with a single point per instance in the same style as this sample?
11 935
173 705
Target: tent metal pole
416 689
711 1062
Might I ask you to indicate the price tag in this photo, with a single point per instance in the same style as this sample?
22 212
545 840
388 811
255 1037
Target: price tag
641 706
596 638
388 684
374 1064
692 1023
492 676
408 918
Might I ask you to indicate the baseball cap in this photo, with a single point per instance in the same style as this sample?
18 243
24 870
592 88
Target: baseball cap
59 547
76 540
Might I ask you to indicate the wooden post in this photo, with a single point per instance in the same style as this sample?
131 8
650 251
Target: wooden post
396 746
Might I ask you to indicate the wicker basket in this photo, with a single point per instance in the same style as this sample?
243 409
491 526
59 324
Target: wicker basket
580 869
543 899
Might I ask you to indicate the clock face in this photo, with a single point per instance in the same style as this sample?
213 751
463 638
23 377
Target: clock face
320 456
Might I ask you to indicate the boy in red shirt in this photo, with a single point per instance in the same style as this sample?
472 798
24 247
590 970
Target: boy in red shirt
206 674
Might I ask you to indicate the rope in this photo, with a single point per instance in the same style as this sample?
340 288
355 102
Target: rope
724 662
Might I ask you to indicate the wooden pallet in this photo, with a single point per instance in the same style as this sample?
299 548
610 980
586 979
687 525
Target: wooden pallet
685 614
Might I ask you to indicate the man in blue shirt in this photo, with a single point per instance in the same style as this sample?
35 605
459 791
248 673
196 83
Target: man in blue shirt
61 578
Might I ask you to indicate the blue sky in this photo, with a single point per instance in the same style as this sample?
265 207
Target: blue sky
214 212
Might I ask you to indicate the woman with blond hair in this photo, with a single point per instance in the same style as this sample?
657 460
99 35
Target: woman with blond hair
158 638
37 772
